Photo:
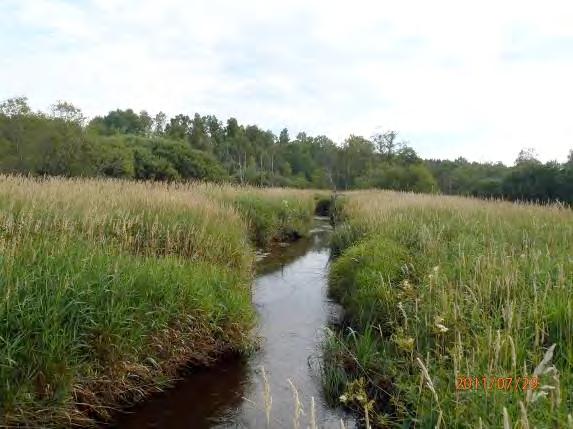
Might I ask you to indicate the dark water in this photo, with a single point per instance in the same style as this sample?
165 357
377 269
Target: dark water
290 297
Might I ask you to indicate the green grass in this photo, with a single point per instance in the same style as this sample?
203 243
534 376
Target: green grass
460 287
274 219
107 288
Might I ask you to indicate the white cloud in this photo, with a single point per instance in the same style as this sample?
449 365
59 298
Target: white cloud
480 80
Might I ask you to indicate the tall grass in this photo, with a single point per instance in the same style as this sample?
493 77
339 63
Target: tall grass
108 287
271 213
440 287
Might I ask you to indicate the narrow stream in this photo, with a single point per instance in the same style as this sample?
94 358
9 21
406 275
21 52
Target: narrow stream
290 297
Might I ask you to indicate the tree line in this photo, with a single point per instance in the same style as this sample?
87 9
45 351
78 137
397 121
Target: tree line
127 144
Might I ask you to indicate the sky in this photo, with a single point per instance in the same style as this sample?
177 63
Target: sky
479 79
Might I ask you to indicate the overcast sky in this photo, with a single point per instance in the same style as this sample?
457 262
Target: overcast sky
480 80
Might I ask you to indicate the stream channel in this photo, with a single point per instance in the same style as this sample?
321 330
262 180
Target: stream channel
290 296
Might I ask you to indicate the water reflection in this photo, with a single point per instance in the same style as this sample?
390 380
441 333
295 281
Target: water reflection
283 254
199 400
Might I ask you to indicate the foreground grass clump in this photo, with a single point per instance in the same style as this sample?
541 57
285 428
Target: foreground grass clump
437 288
107 288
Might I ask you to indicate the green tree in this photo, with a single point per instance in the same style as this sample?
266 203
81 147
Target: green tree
112 157
284 137
67 112
15 119
356 158
13 107
527 156
159 123
198 138
386 144
146 123
178 127
123 122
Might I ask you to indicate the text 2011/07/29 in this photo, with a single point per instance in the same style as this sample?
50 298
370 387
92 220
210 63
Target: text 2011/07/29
515 384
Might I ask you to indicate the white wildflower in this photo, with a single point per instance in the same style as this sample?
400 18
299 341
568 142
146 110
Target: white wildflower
439 324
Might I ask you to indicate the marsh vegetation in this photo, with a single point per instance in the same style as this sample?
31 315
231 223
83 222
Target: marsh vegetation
109 287
437 288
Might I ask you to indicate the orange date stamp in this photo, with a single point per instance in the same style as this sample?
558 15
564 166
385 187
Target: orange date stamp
508 384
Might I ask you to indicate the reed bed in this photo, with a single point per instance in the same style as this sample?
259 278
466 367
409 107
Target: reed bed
436 288
108 288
